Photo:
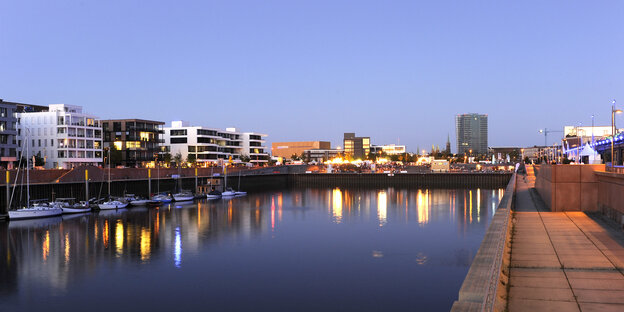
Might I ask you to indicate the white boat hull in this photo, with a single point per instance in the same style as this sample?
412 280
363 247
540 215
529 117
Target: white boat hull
75 210
183 198
141 202
240 193
213 196
107 206
228 194
30 213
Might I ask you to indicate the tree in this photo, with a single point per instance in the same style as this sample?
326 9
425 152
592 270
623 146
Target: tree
166 158
177 159
245 158
294 157
39 161
191 159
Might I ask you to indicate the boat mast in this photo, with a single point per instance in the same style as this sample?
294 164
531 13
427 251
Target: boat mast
109 180
27 174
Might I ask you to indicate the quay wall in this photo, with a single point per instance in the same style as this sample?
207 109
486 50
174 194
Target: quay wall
71 183
610 200
485 286
569 187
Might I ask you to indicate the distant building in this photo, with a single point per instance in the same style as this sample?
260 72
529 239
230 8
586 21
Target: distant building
8 134
472 133
356 147
321 155
138 139
287 149
390 149
214 145
64 136
438 165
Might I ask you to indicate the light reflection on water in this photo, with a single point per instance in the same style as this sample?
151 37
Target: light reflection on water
387 249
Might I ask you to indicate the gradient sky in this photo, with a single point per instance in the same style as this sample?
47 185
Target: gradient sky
311 70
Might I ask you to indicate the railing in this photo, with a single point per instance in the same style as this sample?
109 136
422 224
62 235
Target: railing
478 292
615 169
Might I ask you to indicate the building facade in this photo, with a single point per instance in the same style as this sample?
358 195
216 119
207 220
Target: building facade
472 133
321 155
8 134
356 147
288 149
390 149
63 136
210 145
138 140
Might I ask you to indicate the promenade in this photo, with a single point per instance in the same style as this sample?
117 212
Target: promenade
562 261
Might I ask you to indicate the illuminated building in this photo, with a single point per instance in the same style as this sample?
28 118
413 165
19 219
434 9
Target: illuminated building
390 149
287 149
63 135
356 147
472 133
212 145
137 139
8 133
321 155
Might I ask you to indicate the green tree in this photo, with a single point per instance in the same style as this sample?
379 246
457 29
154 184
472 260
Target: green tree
245 158
39 161
191 159
177 159
294 157
166 158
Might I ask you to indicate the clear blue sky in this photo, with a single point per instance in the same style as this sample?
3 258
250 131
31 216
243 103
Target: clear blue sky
311 70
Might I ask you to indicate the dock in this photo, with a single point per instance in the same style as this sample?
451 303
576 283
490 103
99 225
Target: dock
569 259
563 261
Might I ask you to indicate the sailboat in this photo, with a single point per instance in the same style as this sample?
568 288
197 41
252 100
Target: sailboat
110 203
239 192
32 211
228 191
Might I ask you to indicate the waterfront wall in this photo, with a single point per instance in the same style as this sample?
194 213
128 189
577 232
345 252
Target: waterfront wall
70 183
569 187
416 180
610 200
485 286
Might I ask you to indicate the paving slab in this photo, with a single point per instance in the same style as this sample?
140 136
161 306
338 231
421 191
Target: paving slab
599 296
541 293
601 307
528 305
596 283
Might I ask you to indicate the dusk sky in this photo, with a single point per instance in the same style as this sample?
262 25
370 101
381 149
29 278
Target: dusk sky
311 70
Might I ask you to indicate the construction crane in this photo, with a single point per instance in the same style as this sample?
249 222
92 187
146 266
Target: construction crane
545 131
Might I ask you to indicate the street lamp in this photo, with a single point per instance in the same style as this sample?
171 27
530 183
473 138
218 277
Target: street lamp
613 112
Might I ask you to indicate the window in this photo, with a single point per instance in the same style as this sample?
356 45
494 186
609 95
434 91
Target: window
118 145
177 132
178 140
191 148
133 144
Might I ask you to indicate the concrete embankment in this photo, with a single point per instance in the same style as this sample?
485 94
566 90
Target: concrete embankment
485 286
561 260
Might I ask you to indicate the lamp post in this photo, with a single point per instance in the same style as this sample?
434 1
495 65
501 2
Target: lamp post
613 112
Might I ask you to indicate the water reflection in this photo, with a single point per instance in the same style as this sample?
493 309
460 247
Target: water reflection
53 254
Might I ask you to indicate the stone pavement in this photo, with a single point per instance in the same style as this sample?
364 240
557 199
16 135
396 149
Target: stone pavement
563 261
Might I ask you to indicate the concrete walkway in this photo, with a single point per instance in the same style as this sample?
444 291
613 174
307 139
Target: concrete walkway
563 261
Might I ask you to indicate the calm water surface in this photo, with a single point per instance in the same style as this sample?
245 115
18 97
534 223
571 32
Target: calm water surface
296 250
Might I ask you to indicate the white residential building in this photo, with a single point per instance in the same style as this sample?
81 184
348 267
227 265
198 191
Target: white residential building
63 136
213 145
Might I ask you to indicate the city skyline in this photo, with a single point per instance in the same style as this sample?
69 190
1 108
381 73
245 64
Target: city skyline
303 71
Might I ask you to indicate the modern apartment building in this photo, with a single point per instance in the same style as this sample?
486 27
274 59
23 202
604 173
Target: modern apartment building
472 133
356 147
64 136
138 140
8 134
287 149
254 148
212 145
